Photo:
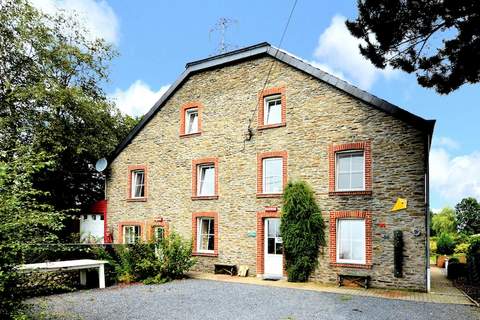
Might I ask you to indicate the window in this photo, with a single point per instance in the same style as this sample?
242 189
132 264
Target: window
158 233
191 121
205 235
272 175
351 241
272 110
94 217
206 180
350 171
138 184
131 234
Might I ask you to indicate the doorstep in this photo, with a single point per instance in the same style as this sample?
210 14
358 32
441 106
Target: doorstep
332 288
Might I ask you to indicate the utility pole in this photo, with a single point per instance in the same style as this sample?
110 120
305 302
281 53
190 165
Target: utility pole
221 27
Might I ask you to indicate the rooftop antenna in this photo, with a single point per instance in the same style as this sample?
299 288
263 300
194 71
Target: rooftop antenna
221 26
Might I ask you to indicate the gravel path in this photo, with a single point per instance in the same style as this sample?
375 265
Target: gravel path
203 299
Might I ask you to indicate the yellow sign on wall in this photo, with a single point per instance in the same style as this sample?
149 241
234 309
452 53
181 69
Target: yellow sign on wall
400 204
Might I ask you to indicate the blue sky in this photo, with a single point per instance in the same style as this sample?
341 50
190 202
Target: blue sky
156 38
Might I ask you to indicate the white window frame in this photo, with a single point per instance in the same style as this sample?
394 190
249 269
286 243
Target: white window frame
337 171
200 168
209 233
134 185
134 227
266 109
188 112
264 176
338 242
155 230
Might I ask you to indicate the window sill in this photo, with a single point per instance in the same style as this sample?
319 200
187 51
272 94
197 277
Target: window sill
215 197
188 135
351 193
137 200
269 195
351 265
205 254
270 126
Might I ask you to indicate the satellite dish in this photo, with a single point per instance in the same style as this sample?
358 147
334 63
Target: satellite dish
101 165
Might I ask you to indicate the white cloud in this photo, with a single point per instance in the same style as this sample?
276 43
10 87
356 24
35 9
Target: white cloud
337 51
97 16
446 142
137 99
455 177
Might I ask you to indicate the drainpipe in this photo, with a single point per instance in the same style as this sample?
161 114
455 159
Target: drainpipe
427 210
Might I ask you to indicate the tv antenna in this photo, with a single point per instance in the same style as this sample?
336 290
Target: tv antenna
221 27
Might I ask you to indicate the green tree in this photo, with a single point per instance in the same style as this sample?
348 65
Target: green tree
439 40
467 215
51 99
26 220
302 230
444 221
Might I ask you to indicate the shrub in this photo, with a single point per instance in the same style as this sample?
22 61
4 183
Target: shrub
445 244
455 269
302 230
433 246
461 248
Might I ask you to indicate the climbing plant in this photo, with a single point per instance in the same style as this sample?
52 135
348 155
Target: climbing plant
302 230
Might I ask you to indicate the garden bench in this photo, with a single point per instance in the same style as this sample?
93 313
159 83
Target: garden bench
230 269
81 265
358 278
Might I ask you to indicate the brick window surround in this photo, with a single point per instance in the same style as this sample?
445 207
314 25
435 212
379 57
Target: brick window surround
145 181
195 165
156 223
183 110
354 146
261 216
195 217
141 224
260 158
261 107
334 216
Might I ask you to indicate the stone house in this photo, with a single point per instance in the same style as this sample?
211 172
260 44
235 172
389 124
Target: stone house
211 158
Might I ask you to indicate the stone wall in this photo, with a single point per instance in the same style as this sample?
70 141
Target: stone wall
317 115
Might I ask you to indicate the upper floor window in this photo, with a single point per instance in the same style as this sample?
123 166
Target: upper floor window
191 119
205 179
272 173
350 171
138 184
131 234
272 108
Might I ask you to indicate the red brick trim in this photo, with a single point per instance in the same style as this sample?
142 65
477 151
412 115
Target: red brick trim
261 216
265 155
129 184
141 224
195 164
334 216
156 223
261 107
183 110
195 217
361 145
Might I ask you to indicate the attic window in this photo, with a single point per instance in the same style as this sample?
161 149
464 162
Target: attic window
191 119
272 108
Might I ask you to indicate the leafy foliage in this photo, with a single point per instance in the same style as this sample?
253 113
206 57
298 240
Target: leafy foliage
302 230
439 40
445 244
467 214
461 248
52 101
444 221
25 218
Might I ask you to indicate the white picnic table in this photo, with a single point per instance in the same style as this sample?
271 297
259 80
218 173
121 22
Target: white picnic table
81 265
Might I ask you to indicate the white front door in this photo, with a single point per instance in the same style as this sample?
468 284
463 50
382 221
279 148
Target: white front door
273 249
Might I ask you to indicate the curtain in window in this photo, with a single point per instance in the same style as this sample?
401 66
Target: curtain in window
192 121
274 111
351 240
138 184
272 175
350 171
207 181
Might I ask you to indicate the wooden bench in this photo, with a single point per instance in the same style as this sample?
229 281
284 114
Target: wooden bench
357 278
81 265
222 268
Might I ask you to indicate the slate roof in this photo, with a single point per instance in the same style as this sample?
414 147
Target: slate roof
265 49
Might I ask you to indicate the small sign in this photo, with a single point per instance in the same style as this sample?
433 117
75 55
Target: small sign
252 234
400 204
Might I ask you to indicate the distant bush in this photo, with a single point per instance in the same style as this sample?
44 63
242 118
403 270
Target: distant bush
461 248
433 246
445 244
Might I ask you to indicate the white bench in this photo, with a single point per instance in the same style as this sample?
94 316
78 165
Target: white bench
81 265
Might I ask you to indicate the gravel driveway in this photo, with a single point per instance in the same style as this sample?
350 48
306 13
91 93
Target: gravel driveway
203 299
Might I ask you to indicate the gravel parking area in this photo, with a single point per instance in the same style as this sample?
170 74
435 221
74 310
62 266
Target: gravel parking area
203 299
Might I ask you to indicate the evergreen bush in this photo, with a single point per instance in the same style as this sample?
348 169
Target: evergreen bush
445 244
302 230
